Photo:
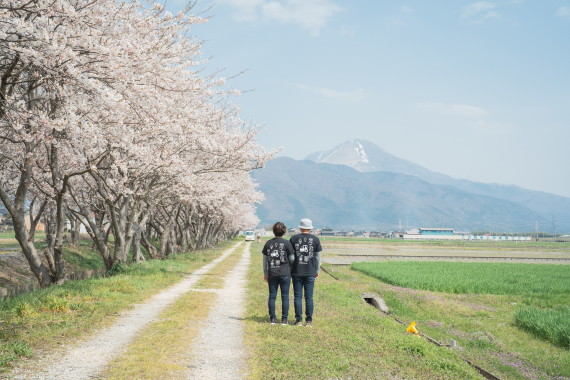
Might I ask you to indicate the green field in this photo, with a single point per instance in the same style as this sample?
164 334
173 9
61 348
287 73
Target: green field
473 278
550 324
510 318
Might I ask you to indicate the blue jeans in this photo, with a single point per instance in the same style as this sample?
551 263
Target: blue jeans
300 283
274 283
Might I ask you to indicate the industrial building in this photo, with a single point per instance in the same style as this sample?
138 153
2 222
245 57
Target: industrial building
436 231
448 234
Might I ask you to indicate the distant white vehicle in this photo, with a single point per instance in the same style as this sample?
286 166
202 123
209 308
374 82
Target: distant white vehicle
249 236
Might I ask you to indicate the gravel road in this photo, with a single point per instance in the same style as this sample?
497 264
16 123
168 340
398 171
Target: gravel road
87 358
219 352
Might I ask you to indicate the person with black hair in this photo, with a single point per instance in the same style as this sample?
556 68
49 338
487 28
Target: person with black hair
277 255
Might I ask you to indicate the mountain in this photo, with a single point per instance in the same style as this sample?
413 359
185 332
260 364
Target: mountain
366 156
340 196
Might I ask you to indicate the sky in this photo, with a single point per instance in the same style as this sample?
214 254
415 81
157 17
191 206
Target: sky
476 90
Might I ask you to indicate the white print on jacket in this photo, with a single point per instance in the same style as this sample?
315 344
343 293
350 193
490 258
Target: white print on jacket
304 250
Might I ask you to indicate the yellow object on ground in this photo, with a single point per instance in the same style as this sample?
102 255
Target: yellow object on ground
411 329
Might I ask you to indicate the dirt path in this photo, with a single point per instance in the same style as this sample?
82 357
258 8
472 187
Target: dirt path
219 352
88 358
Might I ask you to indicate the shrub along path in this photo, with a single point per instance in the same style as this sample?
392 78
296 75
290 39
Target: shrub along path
88 359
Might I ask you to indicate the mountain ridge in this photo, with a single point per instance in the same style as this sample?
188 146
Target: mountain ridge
340 196
352 153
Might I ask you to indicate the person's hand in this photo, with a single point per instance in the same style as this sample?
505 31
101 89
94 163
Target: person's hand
265 278
316 276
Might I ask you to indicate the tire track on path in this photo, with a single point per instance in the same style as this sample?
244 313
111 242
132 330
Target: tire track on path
90 357
220 350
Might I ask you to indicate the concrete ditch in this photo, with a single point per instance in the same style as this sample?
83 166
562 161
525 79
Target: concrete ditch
376 301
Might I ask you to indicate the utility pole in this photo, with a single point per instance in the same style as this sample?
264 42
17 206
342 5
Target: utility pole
554 225
536 229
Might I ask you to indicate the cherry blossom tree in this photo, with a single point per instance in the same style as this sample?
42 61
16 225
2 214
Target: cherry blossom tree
105 119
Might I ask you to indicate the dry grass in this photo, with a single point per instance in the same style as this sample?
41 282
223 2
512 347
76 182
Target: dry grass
214 279
163 350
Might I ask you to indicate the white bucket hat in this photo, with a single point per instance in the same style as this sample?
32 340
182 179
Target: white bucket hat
306 224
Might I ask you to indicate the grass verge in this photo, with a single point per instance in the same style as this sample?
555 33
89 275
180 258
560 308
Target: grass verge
349 339
482 325
41 320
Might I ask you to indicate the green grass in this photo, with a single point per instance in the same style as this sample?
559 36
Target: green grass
472 278
482 325
549 324
349 340
441 298
42 319
83 257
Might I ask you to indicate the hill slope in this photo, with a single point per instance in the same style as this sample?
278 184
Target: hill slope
340 196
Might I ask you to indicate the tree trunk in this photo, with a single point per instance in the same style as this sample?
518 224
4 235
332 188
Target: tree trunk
171 248
137 254
50 237
151 249
17 211
61 210
34 221
164 236
118 222
96 233
75 228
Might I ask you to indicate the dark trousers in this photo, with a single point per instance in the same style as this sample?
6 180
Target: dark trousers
274 284
306 283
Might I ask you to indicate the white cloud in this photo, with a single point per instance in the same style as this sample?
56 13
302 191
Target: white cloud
492 14
563 11
245 10
489 128
346 32
310 14
345 96
406 9
397 23
480 11
452 109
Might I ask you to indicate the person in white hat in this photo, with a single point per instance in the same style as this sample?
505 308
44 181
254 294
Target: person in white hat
304 270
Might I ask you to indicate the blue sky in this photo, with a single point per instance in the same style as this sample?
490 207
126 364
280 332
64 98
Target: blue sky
475 90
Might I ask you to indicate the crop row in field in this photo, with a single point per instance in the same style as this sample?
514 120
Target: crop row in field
549 324
472 278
